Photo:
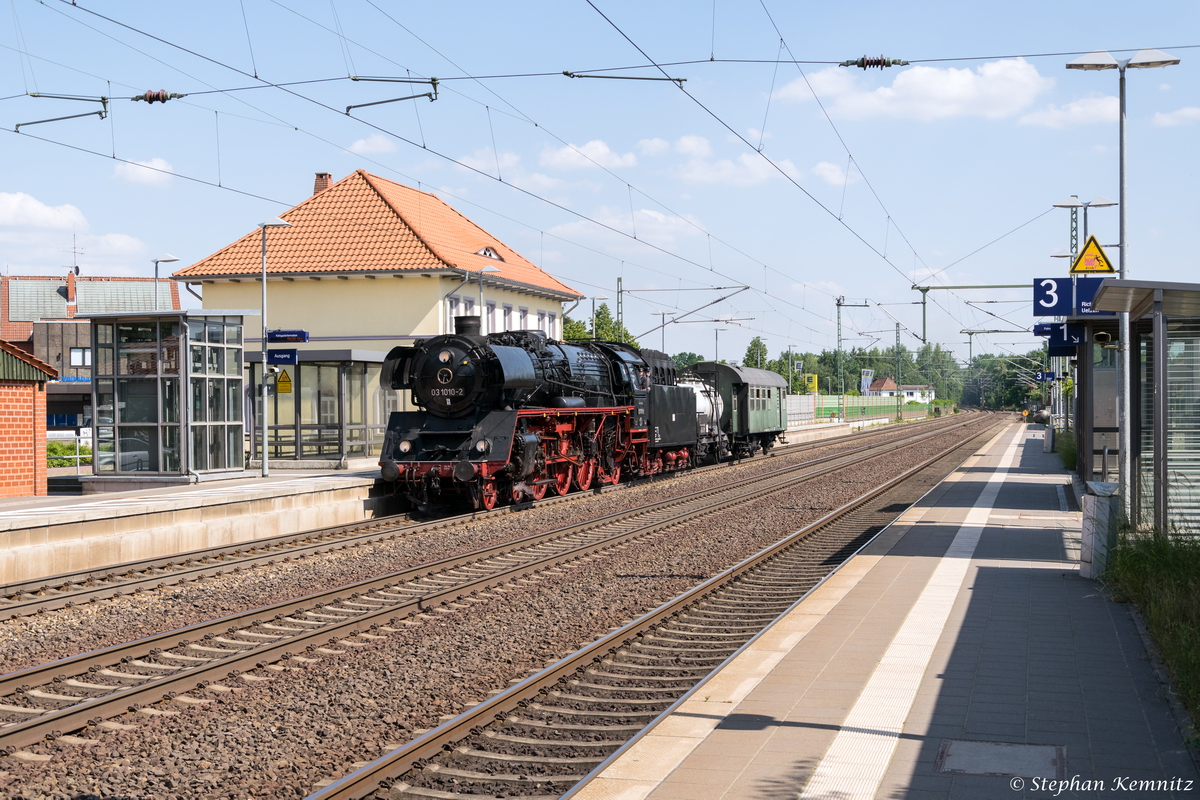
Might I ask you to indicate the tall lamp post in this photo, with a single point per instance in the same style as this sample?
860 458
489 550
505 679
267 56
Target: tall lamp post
717 344
271 223
1098 60
165 258
595 333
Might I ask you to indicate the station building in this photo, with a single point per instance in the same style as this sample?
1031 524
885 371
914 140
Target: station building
366 264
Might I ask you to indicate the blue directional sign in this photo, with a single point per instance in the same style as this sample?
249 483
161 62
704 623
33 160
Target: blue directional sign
287 336
1045 328
282 358
1042 377
1085 292
1052 297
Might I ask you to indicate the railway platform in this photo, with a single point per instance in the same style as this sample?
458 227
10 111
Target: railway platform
46 536
958 655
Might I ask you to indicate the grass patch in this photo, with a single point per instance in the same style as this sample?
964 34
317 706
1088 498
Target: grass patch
1067 447
57 453
1161 576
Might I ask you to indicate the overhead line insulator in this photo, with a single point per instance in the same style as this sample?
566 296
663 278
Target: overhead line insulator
866 62
161 96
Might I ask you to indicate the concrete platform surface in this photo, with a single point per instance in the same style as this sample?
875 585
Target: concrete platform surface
959 655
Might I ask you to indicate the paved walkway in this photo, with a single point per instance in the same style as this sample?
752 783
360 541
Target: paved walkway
960 655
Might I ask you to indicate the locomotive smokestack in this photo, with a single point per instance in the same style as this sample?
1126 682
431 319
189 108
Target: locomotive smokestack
466 326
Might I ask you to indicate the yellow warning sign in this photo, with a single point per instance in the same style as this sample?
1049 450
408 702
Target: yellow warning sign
1092 259
283 384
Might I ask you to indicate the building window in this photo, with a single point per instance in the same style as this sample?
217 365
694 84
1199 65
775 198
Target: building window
81 356
553 326
489 252
508 317
542 321
468 307
489 324
451 312
523 320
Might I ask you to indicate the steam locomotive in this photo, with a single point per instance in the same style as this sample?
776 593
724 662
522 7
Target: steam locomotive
510 416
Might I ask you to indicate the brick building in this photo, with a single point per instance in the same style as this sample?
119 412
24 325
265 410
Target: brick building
22 421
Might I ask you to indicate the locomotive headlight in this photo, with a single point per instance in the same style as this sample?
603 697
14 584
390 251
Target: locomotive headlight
445 356
481 446
405 446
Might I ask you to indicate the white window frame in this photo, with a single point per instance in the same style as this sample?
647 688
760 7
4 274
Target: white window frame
523 318
508 317
81 356
552 326
489 323
451 311
541 324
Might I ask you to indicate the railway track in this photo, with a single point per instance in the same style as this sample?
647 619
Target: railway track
67 590
187 664
541 737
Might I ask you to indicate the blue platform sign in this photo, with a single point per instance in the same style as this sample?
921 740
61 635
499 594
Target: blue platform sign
287 336
1043 377
282 358
1052 297
1045 328
1085 292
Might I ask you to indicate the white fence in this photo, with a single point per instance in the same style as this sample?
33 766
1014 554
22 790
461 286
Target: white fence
801 409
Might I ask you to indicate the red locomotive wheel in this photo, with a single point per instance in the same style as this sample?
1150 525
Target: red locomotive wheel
562 479
538 490
488 494
516 492
585 475
612 478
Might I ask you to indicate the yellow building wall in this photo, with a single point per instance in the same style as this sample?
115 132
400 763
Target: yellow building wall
378 310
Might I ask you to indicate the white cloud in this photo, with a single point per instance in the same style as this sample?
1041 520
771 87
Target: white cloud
653 147
834 175
1183 116
1084 111
18 209
155 172
692 145
994 90
375 143
595 153
651 226
511 170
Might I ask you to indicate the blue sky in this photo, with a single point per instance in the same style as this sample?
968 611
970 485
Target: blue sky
804 182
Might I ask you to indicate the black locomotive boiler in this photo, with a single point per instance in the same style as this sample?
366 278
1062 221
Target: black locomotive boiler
510 416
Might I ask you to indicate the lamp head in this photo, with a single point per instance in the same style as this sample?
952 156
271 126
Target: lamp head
274 223
1071 202
1101 202
1144 59
165 258
1097 59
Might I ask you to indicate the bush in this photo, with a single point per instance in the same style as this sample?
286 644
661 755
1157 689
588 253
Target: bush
58 450
1067 447
1161 576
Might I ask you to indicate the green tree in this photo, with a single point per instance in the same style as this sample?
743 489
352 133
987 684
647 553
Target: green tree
683 360
756 354
609 330
574 329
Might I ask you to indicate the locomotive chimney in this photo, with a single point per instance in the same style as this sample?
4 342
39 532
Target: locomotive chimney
466 326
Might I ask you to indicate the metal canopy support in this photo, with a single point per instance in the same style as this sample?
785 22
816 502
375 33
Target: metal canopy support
1160 416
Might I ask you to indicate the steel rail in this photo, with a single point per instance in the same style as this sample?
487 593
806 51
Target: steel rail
221 662
370 778
70 589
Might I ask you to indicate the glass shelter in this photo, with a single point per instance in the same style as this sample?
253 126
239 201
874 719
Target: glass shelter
168 395
1165 322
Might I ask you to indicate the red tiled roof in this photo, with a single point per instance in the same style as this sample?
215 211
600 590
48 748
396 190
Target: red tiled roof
28 358
882 385
364 223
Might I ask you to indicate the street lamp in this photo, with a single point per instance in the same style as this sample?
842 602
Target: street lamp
663 326
717 344
271 223
595 335
1073 202
1098 60
165 258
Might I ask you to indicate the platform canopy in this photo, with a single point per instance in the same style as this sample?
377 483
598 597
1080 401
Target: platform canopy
1137 298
